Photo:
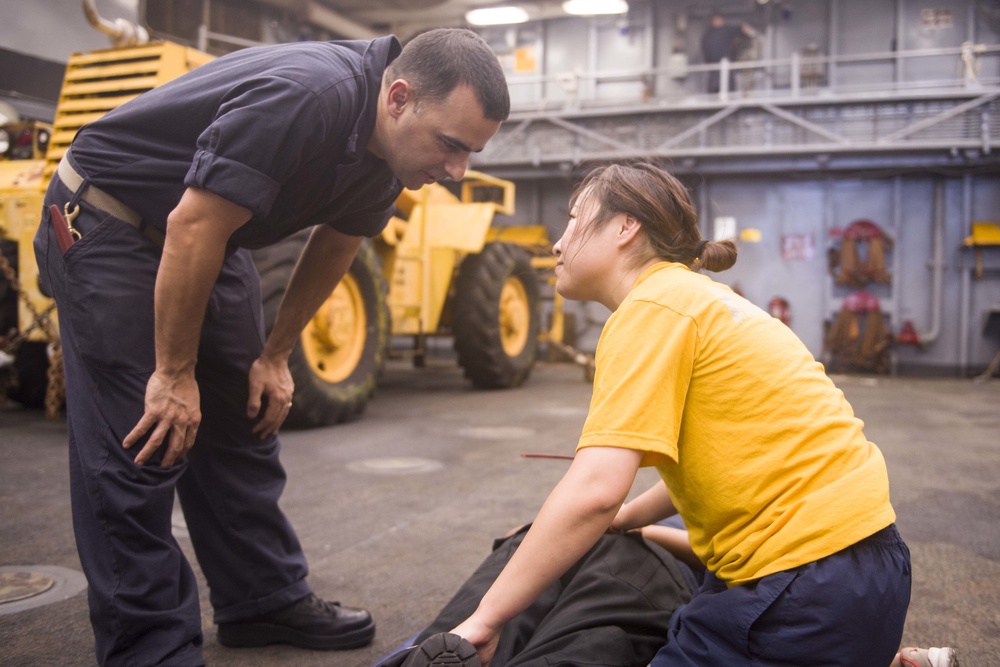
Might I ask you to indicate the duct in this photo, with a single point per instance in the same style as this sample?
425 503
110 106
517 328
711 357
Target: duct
325 18
335 22
937 265
965 300
351 6
121 31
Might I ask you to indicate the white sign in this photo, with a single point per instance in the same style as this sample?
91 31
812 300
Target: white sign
936 18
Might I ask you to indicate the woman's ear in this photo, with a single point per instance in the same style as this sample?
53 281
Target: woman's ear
628 230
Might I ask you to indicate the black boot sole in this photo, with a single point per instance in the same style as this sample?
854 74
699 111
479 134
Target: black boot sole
443 650
251 635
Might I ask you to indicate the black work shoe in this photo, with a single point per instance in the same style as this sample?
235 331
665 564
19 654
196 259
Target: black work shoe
443 650
309 623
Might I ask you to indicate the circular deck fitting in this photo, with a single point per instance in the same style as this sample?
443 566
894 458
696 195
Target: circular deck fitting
395 466
24 587
16 586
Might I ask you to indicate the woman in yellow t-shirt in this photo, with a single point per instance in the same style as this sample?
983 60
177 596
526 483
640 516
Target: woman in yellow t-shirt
785 500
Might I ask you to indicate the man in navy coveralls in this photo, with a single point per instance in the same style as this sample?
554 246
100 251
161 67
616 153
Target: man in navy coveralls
171 385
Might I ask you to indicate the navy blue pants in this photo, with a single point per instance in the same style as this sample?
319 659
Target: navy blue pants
143 594
846 609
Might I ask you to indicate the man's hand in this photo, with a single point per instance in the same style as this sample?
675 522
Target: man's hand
173 406
325 259
271 378
197 232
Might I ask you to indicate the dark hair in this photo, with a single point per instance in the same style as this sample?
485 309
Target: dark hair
662 206
438 61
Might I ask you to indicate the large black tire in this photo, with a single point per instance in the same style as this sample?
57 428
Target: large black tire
337 361
8 296
496 316
31 359
31 368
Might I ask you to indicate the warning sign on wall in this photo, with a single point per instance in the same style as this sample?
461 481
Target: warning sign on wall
797 246
936 18
525 60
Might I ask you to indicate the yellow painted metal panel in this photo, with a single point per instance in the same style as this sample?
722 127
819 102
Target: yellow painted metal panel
435 230
984 233
18 176
442 272
106 55
547 262
405 293
94 84
115 69
479 187
93 104
406 282
459 226
195 58
103 80
109 86
534 237
20 207
64 138
52 157
79 120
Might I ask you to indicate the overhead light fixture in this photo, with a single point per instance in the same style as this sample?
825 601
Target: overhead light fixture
496 16
595 7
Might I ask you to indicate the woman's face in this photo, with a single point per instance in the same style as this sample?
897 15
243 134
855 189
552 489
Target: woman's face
586 256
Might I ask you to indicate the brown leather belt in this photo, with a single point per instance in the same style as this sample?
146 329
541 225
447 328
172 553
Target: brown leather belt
101 200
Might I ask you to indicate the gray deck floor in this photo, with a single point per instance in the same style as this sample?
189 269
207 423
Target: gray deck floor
396 509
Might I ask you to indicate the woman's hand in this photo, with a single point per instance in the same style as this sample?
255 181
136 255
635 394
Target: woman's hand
480 635
620 524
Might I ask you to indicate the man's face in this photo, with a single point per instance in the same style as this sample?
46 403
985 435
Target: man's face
431 141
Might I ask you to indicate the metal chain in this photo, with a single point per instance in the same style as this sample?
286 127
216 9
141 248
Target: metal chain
40 320
55 391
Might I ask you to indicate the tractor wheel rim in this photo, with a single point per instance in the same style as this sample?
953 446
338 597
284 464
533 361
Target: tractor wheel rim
334 339
515 317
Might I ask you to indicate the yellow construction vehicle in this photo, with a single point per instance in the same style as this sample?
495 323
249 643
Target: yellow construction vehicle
440 268
26 324
94 84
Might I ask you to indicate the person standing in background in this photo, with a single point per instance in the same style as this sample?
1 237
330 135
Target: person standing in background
720 41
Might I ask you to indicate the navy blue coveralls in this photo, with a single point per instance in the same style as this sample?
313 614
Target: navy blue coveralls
718 43
281 130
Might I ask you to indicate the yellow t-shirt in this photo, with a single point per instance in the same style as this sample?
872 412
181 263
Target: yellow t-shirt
762 455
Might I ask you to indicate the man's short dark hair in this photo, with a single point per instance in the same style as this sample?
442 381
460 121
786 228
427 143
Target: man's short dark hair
438 61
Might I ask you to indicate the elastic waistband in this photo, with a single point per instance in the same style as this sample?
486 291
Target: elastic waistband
884 537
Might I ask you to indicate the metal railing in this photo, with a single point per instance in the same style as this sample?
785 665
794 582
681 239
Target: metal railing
797 77
205 35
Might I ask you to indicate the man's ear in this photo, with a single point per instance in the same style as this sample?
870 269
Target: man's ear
398 96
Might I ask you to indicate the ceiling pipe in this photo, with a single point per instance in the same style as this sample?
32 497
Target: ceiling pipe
325 18
121 31
338 23
937 265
